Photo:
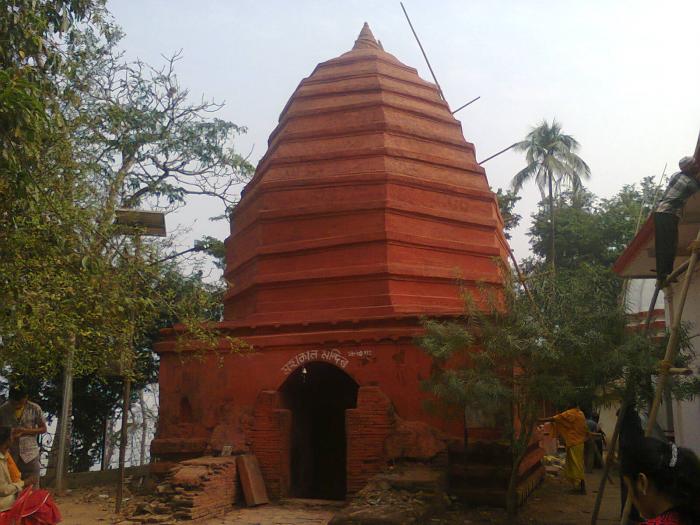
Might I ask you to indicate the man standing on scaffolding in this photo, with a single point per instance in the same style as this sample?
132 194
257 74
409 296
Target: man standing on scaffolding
668 212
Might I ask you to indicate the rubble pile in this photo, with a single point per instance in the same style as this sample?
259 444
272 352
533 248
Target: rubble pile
195 490
408 494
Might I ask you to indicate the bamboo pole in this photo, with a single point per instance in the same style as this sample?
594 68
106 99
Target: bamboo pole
609 460
647 325
669 356
621 413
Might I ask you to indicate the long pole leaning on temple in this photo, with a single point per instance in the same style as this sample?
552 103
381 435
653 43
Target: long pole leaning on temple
670 355
496 154
425 56
460 108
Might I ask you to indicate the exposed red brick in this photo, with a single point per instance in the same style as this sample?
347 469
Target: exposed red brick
271 436
364 213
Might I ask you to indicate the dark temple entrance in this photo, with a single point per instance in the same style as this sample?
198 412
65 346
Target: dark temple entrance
318 395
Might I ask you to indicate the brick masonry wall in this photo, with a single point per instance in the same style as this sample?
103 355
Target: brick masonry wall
368 427
271 441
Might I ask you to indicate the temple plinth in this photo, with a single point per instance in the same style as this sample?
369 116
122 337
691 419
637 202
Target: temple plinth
367 212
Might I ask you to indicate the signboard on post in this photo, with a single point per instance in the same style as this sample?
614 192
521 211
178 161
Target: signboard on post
139 222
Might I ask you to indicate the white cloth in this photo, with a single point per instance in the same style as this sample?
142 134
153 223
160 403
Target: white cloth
8 489
28 448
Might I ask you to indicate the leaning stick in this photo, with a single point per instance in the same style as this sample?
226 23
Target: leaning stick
669 356
609 460
425 56
623 408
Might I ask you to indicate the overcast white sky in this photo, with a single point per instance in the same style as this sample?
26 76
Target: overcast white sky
623 77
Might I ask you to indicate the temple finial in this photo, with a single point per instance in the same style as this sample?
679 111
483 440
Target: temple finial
366 39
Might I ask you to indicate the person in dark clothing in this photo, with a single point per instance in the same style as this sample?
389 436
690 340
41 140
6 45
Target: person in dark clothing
630 432
664 481
667 215
594 446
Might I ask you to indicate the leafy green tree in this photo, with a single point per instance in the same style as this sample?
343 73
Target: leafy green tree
553 164
85 132
216 249
75 283
510 358
506 205
592 230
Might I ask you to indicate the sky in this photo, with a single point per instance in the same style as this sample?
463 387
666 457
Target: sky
622 76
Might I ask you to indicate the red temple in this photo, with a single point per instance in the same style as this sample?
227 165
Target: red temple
367 212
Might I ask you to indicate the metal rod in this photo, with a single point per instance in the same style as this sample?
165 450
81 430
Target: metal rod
178 254
497 154
423 51
467 104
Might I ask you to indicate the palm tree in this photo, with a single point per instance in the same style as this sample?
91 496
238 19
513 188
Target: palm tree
553 163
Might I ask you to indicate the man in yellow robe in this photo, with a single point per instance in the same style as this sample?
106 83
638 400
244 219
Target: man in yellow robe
571 426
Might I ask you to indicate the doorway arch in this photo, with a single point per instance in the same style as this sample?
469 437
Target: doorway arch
318 394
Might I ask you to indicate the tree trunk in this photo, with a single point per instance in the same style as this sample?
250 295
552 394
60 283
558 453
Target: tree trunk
523 441
50 475
105 443
110 445
551 222
144 428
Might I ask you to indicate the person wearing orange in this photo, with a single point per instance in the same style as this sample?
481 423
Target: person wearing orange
20 502
571 426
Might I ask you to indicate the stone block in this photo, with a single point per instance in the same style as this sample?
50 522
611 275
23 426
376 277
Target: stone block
251 480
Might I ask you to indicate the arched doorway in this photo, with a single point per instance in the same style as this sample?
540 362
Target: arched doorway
318 394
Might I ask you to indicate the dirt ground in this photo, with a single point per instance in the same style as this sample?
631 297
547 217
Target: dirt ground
550 504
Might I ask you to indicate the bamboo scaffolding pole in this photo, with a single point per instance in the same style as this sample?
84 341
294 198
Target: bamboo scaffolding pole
623 407
671 352
612 444
609 460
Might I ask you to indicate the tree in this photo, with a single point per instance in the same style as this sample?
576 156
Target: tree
507 361
130 137
553 164
85 132
506 205
591 230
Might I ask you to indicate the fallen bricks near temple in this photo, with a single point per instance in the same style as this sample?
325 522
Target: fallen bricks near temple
194 490
407 494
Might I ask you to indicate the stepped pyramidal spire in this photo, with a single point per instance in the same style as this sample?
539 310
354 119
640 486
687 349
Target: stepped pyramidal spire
366 39
367 213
